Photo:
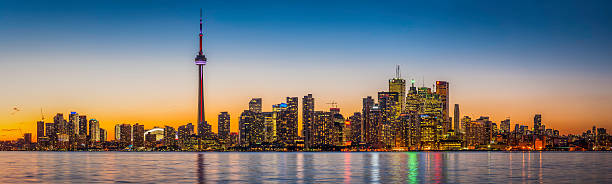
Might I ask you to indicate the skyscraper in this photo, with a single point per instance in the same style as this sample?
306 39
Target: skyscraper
223 127
356 127
27 138
390 115
537 124
73 121
246 128
138 135
505 126
398 85
292 120
50 132
40 130
94 130
270 127
185 131
169 135
118 132
307 118
413 101
456 120
125 134
60 123
83 125
366 126
339 125
322 129
255 105
200 60
103 135
442 91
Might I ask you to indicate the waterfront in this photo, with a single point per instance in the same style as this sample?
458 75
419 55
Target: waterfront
298 167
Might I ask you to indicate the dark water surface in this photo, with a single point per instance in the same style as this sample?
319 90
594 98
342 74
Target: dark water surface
272 167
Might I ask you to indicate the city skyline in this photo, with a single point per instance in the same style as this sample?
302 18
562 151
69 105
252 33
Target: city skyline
168 100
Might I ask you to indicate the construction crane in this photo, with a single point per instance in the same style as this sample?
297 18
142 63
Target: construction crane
11 130
333 104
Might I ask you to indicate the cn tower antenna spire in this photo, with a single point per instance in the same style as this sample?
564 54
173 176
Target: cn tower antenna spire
201 32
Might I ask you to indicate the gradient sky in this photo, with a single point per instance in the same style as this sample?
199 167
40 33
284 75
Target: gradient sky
132 62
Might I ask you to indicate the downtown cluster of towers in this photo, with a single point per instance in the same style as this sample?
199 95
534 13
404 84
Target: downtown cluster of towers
396 120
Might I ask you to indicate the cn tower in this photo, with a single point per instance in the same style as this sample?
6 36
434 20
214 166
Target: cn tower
200 60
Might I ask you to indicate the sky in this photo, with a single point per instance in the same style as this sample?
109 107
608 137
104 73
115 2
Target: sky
132 61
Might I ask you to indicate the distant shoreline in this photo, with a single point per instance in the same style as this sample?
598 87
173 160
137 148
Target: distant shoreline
311 151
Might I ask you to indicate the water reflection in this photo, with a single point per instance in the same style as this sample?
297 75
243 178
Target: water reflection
347 168
408 167
201 169
413 167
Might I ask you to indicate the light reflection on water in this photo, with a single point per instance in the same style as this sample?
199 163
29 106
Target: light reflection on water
271 167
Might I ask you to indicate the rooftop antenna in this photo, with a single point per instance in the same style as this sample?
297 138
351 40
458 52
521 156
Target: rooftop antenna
398 72
42 115
423 78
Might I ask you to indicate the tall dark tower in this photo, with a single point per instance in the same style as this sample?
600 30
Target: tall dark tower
200 60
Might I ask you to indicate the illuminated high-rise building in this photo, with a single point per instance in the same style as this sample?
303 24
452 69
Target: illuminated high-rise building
442 91
117 132
356 128
27 138
138 135
307 119
82 125
223 127
255 105
366 127
292 120
412 130
488 128
169 135
338 127
390 117
60 123
185 131
40 130
322 130
374 131
398 85
270 127
537 124
279 114
50 132
125 134
413 100
103 135
73 123
430 125
200 60
247 128
94 130
475 133
456 120
505 126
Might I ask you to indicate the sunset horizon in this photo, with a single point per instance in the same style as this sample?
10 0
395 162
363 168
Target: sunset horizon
502 66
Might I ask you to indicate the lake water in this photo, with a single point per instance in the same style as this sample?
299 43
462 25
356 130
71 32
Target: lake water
273 167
